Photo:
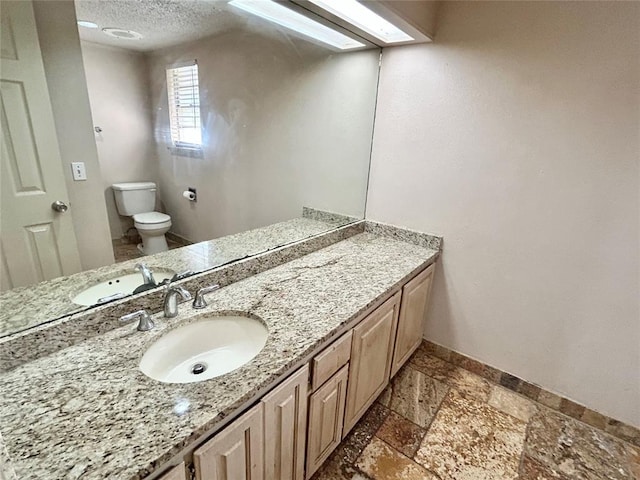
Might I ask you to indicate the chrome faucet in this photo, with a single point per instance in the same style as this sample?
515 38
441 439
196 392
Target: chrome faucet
171 300
147 274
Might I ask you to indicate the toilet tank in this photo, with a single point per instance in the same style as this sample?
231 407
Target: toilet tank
134 197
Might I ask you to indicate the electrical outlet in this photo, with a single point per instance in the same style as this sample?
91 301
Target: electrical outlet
79 171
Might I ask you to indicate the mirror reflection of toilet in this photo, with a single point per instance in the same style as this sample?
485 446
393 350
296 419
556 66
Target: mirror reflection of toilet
138 200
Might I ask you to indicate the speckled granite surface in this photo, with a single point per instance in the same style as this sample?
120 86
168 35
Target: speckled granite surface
87 411
234 247
6 467
26 307
50 337
404 234
328 217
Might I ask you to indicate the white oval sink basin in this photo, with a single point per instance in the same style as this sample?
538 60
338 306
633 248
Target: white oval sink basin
124 284
205 349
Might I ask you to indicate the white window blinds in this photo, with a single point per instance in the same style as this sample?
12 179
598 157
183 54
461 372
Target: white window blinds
184 106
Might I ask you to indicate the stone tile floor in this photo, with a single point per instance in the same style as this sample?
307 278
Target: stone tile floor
123 251
437 421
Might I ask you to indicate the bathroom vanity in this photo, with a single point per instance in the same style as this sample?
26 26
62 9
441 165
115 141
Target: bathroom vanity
303 419
341 321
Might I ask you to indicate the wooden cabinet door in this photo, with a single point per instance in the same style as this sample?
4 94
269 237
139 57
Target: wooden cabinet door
371 352
236 453
176 473
326 415
285 427
413 307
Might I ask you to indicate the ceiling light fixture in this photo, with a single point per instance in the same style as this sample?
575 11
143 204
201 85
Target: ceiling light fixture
122 34
288 18
87 24
360 16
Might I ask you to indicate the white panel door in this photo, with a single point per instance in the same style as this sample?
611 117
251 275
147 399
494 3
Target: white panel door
37 242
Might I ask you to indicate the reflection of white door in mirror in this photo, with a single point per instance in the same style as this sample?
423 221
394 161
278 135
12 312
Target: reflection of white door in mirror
37 243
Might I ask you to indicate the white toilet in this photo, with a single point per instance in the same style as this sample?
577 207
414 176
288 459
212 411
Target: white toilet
137 200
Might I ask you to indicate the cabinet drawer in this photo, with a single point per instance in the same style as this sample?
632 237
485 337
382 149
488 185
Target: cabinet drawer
330 360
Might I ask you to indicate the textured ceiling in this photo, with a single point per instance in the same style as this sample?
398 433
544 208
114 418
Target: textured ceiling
161 22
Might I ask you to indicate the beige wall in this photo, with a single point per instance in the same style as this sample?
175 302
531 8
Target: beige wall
60 45
286 124
516 135
119 94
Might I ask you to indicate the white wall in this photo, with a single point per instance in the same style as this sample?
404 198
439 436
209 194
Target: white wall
61 54
516 135
117 80
286 124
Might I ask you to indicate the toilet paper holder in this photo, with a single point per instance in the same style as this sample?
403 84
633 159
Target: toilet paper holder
190 194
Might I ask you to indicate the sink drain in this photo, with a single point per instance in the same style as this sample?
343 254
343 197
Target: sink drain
198 368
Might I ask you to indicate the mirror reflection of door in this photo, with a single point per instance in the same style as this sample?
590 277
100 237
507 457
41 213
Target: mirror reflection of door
37 242
285 128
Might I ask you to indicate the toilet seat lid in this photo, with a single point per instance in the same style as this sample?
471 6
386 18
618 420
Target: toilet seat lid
151 218
123 187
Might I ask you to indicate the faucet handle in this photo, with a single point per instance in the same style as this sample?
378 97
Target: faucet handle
182 275
144 325
179 289
199 301
109 298
177 276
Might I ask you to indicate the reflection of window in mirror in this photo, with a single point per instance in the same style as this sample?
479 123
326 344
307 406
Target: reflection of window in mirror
184 108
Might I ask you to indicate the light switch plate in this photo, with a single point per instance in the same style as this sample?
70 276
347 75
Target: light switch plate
79 171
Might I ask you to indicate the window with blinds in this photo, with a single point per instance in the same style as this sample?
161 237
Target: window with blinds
184 106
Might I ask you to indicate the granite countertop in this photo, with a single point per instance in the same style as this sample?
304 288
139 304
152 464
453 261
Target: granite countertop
88 412
26 307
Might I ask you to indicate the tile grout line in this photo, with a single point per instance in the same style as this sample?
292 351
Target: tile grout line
412 460
428 429
524 457
513 384
486 401
524 447
540 408
437 411
435 414
537 404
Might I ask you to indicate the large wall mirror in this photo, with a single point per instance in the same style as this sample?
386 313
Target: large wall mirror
116 108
